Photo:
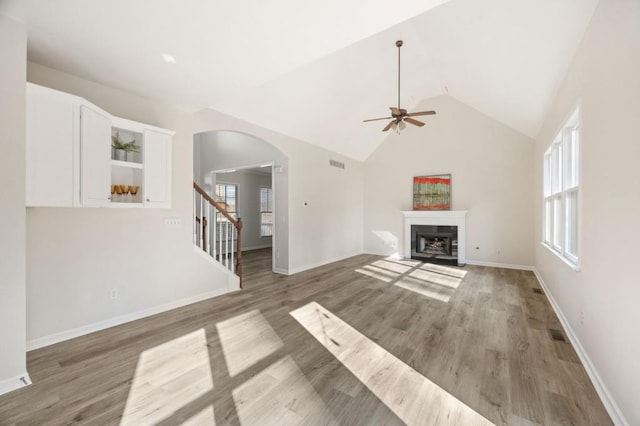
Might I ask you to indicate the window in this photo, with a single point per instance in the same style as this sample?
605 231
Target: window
228 193
561 187
266 212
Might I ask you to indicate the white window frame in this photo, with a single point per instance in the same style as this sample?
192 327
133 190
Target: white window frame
561 187
233 213
266 211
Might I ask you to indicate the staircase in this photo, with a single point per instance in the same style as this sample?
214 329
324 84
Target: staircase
217 232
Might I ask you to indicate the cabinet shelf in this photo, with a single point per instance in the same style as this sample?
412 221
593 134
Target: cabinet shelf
128 164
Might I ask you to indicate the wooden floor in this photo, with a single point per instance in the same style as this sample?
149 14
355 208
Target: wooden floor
357 342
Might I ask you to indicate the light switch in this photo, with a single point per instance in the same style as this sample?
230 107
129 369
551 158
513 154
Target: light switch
173 222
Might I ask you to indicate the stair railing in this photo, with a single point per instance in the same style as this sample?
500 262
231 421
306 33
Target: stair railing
216 231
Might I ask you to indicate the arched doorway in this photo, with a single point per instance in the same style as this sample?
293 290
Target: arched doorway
250 176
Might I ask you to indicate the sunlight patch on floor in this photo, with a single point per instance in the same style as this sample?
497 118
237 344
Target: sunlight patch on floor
426 279
280 395
425 288
378 273
375 274
246 339
168 377
392 266
444 270
402 261
435 278
411 396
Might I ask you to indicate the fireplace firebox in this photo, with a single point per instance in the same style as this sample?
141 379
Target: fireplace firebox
435 243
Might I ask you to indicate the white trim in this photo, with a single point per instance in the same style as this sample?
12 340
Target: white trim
570 264
13 383
609 403
383 253
572 122
469 262
500 265
51 339
321 263
281 271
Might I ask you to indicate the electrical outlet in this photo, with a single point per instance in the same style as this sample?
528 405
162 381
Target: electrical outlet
113 293
173 222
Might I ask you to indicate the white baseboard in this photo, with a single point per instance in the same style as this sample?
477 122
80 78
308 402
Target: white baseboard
609 403
500 265
233 285
13 383
281 271
383 253
469 262
51 339
318 264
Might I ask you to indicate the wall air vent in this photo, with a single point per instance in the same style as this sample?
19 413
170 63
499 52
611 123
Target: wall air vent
338 164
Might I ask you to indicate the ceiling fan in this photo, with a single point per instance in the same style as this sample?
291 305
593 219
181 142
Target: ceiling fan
398 115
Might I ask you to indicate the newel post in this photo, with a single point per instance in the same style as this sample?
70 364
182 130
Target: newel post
239 251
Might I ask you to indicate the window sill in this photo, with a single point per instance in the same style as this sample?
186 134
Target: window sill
570 264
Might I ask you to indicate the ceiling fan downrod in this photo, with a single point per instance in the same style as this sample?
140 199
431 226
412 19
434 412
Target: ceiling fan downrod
398 115
399 44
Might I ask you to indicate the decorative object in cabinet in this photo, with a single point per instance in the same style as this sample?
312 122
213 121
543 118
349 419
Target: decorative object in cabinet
123 151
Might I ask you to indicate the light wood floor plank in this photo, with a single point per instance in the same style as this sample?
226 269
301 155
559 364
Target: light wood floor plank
479 334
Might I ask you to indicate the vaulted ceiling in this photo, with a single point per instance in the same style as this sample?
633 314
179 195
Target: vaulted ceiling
315 70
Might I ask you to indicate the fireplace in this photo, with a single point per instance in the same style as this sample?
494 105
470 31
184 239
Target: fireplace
435 236
435 243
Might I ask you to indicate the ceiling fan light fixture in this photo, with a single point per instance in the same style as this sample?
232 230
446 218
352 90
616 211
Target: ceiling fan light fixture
399 115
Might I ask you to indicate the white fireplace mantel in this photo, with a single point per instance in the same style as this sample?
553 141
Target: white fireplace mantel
437 217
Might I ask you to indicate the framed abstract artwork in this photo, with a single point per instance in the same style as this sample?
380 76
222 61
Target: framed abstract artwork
432 192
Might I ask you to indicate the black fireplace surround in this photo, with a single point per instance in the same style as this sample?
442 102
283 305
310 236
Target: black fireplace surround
435 243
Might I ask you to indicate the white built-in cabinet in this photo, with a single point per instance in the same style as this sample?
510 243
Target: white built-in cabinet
95 156
70 160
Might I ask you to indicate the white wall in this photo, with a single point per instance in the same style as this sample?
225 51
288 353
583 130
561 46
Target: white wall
604 74
491 168
325 203
76 256
249 184
13 45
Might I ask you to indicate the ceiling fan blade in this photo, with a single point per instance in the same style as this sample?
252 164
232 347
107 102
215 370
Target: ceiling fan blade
375 119
413 114
388 126
395 111
414 122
